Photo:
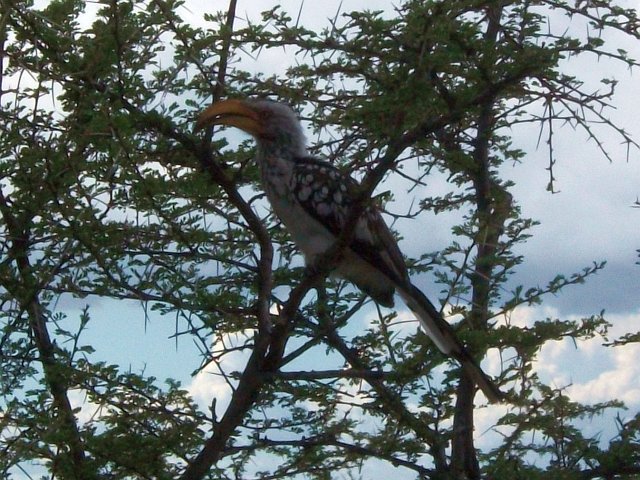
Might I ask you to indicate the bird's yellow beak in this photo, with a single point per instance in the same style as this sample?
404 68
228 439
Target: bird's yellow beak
234 113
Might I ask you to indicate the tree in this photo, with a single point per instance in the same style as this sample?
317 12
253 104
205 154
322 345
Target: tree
106 192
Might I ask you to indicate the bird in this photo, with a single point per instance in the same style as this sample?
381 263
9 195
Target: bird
312 198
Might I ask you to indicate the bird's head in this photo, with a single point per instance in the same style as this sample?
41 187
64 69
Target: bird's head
274 125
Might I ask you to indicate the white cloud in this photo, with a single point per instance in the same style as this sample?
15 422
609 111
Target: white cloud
87 411
588 372
213 383
485 419
592 372
619 378
619 382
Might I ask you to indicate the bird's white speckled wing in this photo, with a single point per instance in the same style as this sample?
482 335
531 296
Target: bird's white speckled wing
327 195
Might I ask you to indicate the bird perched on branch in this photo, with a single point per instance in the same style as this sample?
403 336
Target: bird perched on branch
313 200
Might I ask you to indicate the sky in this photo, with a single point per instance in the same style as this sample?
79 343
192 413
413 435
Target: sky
590 218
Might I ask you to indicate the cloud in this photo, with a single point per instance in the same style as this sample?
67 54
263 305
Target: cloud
587 370
592 372
618 382
619 378
485 420
86 411
213 385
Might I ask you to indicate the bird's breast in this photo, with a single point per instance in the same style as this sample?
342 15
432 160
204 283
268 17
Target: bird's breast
311 237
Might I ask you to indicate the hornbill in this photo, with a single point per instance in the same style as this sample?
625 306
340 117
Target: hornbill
312 198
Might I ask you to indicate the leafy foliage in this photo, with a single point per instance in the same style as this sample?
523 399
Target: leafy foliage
106 193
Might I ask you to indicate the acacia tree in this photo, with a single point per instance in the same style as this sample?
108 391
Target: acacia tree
106 192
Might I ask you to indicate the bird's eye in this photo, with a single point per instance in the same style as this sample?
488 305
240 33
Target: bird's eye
265 115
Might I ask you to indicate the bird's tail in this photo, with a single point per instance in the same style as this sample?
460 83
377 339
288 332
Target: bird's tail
446 340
